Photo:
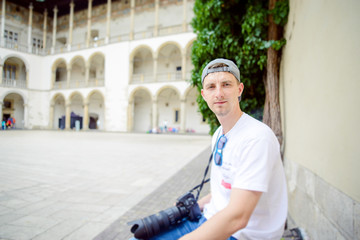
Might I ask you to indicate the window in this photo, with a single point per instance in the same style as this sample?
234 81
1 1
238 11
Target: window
11 36
37 43
177 116
9 71
57 75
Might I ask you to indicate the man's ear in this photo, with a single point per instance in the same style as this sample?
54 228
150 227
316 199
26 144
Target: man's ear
241 89
202 94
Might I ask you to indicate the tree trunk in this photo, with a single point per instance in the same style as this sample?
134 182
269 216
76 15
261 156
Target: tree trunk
272 103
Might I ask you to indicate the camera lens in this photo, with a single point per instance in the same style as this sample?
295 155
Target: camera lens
154 224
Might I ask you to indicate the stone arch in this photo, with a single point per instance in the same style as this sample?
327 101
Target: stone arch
77 72
9 91
57 111
12 55
13 108
59 73
15 72
193 120
94 118
168 109
169 59
95 68
188 64
142 65
76 106
140 110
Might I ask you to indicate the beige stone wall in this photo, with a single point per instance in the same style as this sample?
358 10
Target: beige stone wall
321 86
320 110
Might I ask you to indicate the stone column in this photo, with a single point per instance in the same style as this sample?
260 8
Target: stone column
87 73
27 77
26 116
88 36
68 76
54 30
67 115
30 27
86 116
183 67
132 16
71 25
155 68
154 114
182 115
130 114
1 74
156 26
2 30
45 28
184 24
1 103
108 19
51 116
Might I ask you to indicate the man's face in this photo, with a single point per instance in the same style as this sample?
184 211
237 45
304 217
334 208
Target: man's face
221 91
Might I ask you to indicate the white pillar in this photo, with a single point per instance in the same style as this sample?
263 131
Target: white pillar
108 19
2 30
1 103
154 114
184 25
51 116
26 116
182 115
45 28
1 74
183 67
88 36
67 115
54 30
68 77
30 27
71 24
130 114
86 116
132 16
156 26
155 68
87 73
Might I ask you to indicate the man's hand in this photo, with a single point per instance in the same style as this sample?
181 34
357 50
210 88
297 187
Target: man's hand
232 218
203 201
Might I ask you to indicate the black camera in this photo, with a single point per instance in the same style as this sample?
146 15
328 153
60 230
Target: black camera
186 208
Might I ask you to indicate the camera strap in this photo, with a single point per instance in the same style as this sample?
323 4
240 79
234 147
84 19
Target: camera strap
200 186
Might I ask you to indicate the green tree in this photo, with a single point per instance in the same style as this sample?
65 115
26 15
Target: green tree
236 30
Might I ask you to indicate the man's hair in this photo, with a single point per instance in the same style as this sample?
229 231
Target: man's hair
217 65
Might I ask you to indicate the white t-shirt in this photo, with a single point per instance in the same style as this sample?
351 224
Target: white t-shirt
251 161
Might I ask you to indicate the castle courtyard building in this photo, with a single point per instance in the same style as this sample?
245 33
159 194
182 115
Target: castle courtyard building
111 65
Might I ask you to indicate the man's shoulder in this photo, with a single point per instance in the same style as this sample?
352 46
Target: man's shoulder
255 128
255 124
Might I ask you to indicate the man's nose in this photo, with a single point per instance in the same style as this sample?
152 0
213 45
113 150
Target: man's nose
219 92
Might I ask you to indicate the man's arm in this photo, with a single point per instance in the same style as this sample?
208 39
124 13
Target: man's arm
232 218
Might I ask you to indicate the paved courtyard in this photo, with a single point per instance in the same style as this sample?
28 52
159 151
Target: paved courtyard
74 185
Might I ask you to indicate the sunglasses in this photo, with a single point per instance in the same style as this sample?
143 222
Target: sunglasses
218 150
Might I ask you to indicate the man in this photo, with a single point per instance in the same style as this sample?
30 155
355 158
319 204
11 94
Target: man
248 198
